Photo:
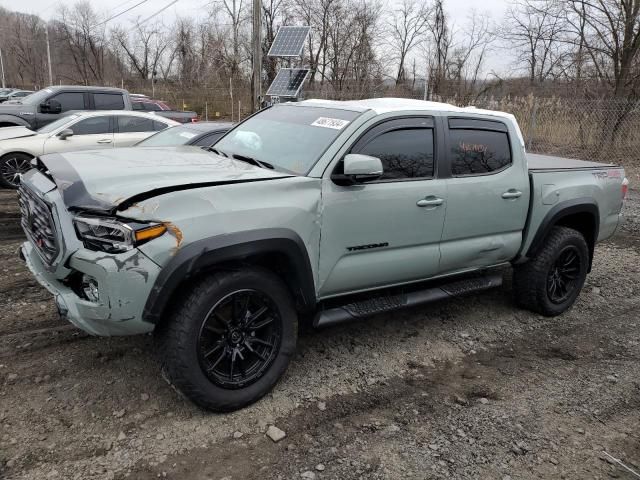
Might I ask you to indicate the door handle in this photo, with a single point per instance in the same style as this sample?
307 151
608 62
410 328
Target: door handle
511 194
105 140
430 202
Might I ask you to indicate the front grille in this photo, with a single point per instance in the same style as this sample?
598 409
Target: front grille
38 224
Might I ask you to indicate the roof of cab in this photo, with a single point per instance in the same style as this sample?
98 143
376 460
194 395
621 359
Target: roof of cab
390 104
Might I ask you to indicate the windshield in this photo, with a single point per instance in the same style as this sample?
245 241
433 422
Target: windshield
178 135
288 137
57 124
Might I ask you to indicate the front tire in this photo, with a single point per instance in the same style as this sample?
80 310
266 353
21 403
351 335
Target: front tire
550 282
230 338
12 166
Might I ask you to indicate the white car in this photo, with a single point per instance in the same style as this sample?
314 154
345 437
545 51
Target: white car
77 131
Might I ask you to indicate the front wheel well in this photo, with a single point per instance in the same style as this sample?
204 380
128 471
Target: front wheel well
276 262
9 124
14 153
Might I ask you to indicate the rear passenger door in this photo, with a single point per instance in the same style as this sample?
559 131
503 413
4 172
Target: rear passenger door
488 195
131 129
386 231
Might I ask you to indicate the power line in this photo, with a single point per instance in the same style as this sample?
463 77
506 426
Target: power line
158 12
121 13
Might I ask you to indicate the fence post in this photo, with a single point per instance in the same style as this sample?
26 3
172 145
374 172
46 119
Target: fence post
206 111
532 124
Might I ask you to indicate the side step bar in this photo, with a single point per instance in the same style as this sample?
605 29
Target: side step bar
389 302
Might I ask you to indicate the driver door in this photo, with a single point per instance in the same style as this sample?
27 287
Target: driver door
386 231
90 133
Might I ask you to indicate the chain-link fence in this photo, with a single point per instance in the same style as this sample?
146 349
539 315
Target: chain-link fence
602 129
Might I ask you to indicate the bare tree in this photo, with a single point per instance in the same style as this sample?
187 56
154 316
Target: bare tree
407 29
533 30
468 54
144 46
609 30
438 47
84 39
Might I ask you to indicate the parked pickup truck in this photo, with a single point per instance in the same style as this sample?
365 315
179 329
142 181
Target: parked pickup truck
49 104
329 210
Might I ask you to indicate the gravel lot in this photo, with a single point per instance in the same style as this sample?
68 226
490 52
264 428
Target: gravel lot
470 388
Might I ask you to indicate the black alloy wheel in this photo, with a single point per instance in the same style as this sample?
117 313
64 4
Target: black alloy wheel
239 339
564 274
229 337
550 281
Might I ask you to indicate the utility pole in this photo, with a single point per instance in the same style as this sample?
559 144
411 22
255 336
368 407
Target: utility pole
256 40
46 33
2 68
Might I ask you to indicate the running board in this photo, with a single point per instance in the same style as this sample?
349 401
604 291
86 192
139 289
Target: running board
389 302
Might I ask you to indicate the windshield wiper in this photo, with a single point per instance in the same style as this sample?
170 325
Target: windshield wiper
217 152
253 161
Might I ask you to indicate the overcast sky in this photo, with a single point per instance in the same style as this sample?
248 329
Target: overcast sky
458 11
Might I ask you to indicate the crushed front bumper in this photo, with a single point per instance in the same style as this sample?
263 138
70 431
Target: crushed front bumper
124 283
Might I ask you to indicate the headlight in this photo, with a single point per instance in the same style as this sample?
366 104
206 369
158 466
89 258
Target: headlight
113 236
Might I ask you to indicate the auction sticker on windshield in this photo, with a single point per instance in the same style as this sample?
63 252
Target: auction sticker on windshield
335 123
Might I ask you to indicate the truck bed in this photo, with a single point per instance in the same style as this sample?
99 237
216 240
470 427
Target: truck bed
548 162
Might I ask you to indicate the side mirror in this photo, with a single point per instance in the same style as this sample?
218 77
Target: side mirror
66 133
362 168
51 106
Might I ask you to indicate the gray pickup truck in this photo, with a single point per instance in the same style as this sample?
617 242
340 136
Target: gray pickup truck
324 210
49 104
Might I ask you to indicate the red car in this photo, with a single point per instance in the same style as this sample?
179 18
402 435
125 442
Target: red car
144 103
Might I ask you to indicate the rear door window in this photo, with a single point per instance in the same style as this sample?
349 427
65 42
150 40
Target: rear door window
108 101
135 124
478 146
477 152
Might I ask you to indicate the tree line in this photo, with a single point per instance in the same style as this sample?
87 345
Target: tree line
356 47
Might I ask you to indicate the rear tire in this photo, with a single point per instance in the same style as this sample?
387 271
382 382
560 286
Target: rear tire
12 165
229 339
550 282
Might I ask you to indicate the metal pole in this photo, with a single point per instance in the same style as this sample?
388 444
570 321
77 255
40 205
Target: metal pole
2 68
46 33
256 79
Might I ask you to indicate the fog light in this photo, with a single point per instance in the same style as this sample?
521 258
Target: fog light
90 288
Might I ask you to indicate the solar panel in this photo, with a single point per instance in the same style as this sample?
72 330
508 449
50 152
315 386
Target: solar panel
289 42
288 82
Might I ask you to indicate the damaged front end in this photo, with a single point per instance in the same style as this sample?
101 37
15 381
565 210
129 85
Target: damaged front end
100 281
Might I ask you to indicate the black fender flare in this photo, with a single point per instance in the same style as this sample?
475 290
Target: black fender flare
15 120
563 210
205 254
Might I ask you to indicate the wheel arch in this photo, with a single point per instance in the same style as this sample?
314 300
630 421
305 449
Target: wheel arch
581 214
21 152
278 249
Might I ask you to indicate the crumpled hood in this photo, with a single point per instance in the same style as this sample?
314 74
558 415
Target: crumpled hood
111 180
15 132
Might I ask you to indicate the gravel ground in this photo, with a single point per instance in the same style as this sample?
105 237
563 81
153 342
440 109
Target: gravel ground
469 388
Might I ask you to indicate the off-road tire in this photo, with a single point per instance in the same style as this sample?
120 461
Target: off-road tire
178 337
17 159
530 279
